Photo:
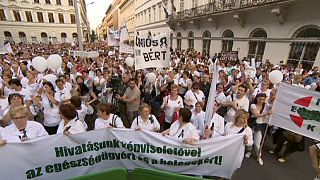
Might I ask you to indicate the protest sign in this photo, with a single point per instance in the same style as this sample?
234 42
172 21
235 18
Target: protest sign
152 51
229 56
6 49
62 157
298 110
113 37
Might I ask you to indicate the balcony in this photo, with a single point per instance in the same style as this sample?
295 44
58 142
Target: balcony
221 6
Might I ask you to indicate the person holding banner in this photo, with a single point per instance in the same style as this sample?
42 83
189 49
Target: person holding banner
214 128
145 121
260 113
70 123
21 129
183 129
106 119
198 117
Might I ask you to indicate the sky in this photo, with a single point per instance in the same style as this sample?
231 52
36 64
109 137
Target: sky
96 11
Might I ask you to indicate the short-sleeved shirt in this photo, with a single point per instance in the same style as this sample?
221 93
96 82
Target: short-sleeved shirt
74 127
186 131
138 122
113 120
135 94
33 130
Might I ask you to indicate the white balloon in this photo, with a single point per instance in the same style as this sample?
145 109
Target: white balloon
51 78
275 77
151 77
130 61
39 63
110 53
54 61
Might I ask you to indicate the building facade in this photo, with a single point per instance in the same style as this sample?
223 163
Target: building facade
127 15
150 17
111 20
41 21
278 30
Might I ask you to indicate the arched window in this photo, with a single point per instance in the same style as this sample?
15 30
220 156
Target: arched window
75 37
8 36
302 51
206 41
227 41
179 41
257 44
23 37
191 40
63 37
44 37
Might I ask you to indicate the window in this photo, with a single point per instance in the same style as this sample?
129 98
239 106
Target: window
194 3
44 37
206 42
23 37
179 41
16 15
8 36
181 5
63 37
61 18
75 37
36 1
58 2
70 2
47 1
227 41
54 40
2 15
303 52
154 14
40 17
256 47
29 16
34 39
72 18
160 9
149 11
50 17
191 40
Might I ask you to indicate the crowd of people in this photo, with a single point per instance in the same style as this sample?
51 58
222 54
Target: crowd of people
104 92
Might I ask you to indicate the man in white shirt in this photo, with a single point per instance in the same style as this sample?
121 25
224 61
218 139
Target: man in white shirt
64 94
235 102
21 129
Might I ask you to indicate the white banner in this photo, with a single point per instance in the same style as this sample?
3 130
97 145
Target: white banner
125 48
6 49
152 51
90 54
63 157
298 110
113 37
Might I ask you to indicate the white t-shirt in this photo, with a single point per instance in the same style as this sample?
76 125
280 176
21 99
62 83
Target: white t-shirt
261 120
186 131
83 112
33 130
220 97
230 128
64 94
138 122
194 97
113 120
198 120
184 84
4 106
258 90
242 103
218 125
172 104
50 111
74 127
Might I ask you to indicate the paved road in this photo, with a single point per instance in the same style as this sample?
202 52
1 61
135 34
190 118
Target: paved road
298 167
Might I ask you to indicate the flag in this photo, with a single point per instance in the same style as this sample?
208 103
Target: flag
6 49
212 96
298 110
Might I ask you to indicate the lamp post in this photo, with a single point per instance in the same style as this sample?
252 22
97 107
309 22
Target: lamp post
79 31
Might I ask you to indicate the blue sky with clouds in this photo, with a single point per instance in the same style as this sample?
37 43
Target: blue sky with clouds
96 11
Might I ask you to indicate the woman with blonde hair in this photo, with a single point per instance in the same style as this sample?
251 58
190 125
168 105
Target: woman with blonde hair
145 121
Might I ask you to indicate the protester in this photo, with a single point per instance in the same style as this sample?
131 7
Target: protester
145 121
106 119
70 124
314 156
183 128
21 129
